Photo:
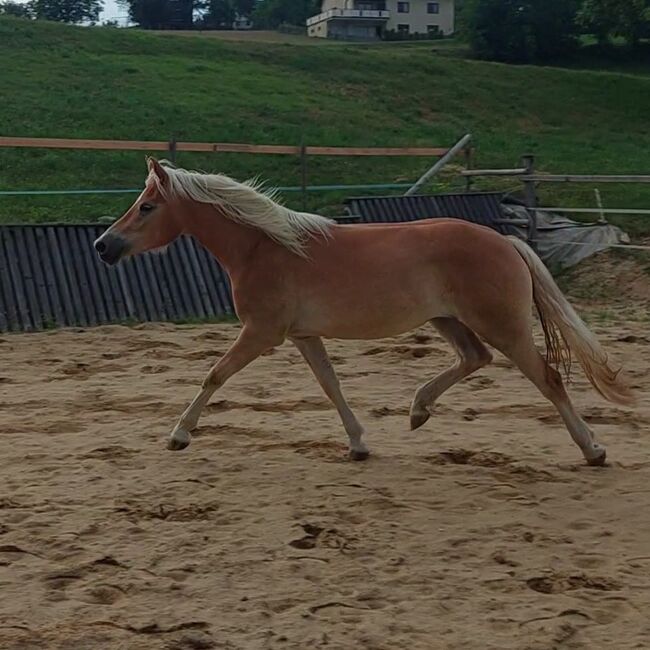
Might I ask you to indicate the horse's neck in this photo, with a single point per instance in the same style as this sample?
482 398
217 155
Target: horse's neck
232 243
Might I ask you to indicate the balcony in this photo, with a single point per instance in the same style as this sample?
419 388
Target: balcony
374 15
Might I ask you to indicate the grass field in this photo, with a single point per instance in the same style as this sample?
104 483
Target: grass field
61 81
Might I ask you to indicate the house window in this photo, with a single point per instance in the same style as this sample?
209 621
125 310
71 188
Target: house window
433 7
403 29
433 30
403 7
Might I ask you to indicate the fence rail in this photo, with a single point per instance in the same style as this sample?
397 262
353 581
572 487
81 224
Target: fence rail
217 147
584 178
308 188
526 174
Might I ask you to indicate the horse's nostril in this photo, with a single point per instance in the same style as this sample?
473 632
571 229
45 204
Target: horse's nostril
100 246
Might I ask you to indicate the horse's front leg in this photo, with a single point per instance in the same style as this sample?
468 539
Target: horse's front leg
249 345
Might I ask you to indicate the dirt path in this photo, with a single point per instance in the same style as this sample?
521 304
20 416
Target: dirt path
482 530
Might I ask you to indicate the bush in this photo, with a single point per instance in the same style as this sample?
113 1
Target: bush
16 9
522 31
629 19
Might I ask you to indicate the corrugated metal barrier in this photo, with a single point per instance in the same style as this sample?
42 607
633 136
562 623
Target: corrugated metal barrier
482 208
50 276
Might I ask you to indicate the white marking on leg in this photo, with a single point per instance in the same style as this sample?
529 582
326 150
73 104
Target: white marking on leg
581 434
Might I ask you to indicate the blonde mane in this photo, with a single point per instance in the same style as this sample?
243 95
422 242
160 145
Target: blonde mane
247 203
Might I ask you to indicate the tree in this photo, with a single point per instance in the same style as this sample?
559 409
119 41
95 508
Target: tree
554 28
521 31
221 14
218 14
273 13
149 14
161 14
605 18
68 11
17 9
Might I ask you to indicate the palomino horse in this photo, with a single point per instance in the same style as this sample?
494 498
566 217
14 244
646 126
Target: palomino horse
303 277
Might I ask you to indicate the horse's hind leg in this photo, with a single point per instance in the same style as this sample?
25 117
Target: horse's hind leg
472 355
549 381
316 356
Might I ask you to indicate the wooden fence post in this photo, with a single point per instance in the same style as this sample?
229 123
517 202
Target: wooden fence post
528 163
599 203
172 150
303 173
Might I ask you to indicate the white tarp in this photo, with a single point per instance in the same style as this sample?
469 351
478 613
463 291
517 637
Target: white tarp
560 242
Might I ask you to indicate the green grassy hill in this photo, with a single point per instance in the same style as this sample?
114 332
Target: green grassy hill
60 81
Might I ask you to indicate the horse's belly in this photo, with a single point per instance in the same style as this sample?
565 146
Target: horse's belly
367 316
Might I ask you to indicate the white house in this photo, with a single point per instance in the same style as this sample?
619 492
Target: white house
242 22
370 19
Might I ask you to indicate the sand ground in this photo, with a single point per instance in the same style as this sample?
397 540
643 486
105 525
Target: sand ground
482 530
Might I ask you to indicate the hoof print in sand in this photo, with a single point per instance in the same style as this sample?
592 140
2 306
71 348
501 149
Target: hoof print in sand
318 536
557 584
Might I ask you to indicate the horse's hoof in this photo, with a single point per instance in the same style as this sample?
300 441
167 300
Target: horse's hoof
598 461
359 455
179 440
418 419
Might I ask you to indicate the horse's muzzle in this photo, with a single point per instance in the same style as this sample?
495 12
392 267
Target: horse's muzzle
111 248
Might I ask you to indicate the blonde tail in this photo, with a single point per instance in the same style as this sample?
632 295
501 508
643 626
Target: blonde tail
566 333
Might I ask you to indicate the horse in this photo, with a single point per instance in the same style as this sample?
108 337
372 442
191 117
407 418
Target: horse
303 277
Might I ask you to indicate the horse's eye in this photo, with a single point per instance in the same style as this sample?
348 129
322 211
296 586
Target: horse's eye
146 207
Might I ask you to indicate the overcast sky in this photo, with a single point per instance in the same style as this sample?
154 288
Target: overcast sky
112 11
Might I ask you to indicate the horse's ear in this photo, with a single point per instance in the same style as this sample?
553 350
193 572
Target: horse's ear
158 170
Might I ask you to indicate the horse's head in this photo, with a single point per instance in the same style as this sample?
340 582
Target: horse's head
150 223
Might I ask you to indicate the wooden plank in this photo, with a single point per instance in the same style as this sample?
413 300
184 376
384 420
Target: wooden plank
584 178
46 315
217 147
106 291
49 276
90 264
377 151
77 282
10 314
233 147
622 211
63 143
17 280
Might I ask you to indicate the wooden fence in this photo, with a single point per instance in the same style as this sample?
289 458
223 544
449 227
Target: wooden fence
171 146
526 174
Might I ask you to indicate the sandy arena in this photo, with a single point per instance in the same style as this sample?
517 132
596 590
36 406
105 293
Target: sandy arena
483 530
